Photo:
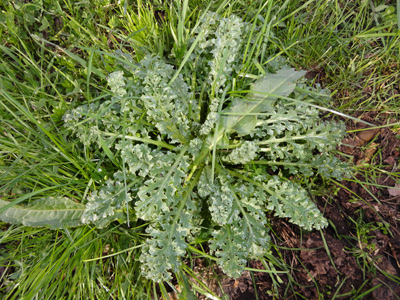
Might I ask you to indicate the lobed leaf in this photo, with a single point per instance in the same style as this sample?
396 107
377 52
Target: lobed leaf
238 208
290 200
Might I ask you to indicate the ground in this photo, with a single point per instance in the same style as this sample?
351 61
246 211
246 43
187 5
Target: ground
356 257
358 254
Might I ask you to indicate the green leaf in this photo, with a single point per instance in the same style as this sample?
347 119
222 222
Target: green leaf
45 24
106 204
290 200
228 247
106 149
238 209
49 212
242 116
280 84
163 251
160 192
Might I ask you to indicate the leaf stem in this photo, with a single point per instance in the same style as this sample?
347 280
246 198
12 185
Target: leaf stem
139 139
292 138
305 103
264 162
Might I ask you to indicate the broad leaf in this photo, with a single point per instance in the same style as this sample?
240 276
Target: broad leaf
280 84
49 212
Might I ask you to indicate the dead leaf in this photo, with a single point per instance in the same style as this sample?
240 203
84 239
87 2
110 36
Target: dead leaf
368 153
362 138
394 191
173 296
367 135
350 144
390 160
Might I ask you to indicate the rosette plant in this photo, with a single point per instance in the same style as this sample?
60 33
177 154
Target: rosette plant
209 141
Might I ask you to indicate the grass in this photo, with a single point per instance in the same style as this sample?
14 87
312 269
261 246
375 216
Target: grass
51 56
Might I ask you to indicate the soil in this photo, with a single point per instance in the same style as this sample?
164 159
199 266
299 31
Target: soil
358 253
